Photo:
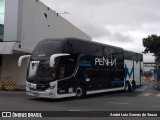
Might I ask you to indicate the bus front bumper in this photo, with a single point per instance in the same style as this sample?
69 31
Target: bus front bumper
41 94
48 93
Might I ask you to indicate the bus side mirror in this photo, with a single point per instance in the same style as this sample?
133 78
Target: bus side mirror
21 58
54 56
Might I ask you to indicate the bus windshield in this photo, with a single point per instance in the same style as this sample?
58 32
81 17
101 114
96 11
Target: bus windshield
40 71
47 48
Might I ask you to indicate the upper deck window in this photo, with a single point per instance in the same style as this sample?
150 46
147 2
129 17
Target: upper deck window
47 48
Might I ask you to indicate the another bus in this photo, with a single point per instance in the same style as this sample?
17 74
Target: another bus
68 67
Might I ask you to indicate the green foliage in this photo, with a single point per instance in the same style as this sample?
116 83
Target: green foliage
152 45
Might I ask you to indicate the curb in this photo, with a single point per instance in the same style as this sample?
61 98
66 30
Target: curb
16 90
21 90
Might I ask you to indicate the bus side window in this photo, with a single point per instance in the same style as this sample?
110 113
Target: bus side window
67 66
65 71
70 48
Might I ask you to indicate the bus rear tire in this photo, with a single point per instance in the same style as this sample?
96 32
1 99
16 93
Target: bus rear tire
80 92
133 85
127 87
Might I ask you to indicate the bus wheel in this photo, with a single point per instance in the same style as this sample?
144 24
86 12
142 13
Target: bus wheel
127 86
80 91
133 85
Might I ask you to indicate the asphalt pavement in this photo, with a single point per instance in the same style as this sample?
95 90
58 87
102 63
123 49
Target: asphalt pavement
146 98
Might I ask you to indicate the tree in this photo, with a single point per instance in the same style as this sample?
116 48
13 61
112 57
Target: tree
152 45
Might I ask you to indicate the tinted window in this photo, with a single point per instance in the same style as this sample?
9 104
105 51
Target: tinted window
66 48
128 55
108 51
133 56
119 54
137 57
80 47
74 47
67 65
47 48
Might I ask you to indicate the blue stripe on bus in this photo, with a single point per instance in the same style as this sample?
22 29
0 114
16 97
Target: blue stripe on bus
84 64
129 73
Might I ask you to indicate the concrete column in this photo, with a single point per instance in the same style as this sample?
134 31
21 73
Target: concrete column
11 71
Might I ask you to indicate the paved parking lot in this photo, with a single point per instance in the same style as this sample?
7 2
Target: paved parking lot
143 99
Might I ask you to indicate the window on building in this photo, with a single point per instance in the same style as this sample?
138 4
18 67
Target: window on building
2 12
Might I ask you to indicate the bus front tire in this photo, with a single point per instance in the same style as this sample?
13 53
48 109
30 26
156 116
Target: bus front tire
80 92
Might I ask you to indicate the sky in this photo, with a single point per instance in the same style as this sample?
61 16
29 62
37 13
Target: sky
122 23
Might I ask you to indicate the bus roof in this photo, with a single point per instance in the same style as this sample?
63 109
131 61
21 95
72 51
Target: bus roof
81 40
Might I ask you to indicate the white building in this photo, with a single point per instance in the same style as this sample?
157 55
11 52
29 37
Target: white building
23 23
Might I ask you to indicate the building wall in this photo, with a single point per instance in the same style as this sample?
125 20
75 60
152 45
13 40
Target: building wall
11 71
27 22
2 10
11 20
40 22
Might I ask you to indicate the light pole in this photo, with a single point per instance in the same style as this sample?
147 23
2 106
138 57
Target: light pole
63 13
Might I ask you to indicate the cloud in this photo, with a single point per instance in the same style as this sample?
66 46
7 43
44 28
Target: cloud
119 22
121 38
